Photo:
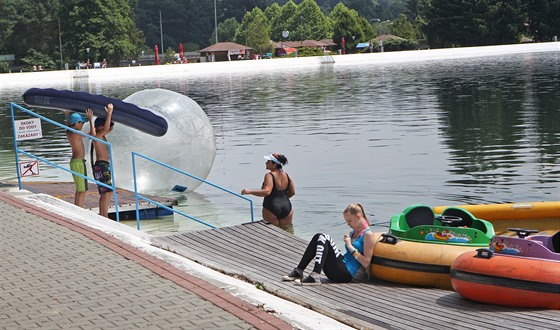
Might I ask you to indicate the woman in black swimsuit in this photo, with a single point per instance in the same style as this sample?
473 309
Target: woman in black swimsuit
277 189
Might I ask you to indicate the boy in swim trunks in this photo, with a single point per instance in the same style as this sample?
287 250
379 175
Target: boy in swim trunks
77 163
102 167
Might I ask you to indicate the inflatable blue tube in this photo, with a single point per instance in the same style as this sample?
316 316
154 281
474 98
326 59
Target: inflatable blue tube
124 113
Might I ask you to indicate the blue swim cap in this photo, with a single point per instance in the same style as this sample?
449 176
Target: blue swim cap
75 118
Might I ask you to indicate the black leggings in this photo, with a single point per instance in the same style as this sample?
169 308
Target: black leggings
327 258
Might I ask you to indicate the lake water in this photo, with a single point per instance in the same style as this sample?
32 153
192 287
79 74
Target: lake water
387 135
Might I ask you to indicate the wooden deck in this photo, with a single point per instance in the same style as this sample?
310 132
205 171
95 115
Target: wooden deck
127 204
262 253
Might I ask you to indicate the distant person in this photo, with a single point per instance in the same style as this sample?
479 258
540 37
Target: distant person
78 162
328 258
102 165
104 64
277 189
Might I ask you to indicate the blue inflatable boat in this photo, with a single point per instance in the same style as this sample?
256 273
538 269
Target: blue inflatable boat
124 113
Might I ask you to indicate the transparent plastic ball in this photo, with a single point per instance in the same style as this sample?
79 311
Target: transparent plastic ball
189 145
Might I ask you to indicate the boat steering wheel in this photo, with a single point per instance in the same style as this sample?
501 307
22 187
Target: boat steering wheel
522 233
448 220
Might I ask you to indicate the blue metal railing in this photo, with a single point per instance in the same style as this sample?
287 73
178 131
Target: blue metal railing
18 151
136 195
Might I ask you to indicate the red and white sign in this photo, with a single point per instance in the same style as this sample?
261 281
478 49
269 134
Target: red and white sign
30 168
236 51
28 129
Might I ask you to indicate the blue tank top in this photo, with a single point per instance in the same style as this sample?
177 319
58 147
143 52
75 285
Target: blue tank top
351 263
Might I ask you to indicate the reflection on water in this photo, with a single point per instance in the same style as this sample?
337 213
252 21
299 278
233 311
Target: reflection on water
465 131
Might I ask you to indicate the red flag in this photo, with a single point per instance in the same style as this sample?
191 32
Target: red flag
156 51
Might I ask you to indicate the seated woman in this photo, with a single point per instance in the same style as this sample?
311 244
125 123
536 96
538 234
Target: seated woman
328 258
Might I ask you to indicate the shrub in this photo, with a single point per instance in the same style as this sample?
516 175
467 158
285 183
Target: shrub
309 51
4 67
35 58
391 45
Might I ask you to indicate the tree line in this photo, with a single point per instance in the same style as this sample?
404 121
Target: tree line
53 32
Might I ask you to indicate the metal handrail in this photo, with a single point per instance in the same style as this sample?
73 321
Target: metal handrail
18 151
136 195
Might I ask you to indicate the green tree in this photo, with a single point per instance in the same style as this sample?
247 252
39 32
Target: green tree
8 20
346 23
369 31
415 8
258 35
271 13
505 22
242 34
236 8
543 19
35 26
419 27
283 21
105 27
169 56
253 31
175 19
383 27
369 9
403 28
226 30
456 23
481 22
310 22
381 9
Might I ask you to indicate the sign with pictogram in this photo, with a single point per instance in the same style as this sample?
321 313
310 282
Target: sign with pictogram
30 168
28 129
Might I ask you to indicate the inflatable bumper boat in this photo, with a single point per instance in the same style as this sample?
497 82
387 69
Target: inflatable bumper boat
518 271
421 245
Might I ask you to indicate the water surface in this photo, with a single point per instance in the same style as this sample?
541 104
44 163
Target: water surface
457 131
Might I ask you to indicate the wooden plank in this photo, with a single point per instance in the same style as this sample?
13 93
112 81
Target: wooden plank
226 243
214 243
263 253
293 259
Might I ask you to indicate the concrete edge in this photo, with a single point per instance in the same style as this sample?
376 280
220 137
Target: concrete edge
48 207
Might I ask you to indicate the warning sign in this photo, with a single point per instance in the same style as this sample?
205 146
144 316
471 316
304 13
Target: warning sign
27 129
30 168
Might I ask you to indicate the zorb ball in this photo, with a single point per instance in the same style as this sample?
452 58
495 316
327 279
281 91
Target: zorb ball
188 145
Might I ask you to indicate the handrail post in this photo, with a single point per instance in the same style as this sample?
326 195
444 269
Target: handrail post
135 191
113 184
252 211
16 149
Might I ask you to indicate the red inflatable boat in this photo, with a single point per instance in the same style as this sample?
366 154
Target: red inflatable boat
518 271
